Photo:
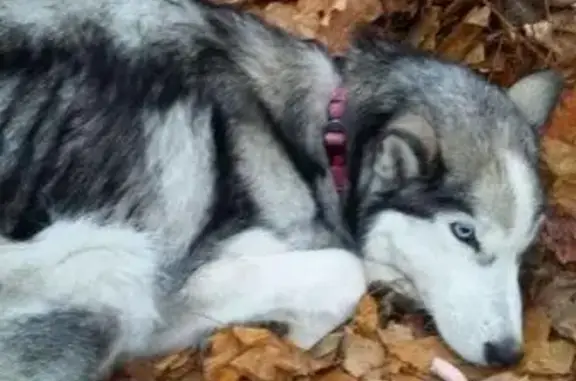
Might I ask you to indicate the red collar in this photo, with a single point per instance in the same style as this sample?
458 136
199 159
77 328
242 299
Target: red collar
335 139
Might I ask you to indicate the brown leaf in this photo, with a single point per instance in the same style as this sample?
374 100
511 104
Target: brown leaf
565 323
537 327
559 156
407 377
395 333
423 33
559 229
288 17
507 376
248 336
226 374
223 348
257 363
520 12
419 353
479 16
334 375
296 362
559 299
544 33
476 55
561 3
460 41
366 319
337 32
563 121
564 21
328 347
361 355
377 374
401 6
553 358
563 195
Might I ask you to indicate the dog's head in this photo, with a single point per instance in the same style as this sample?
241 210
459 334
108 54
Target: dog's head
445 192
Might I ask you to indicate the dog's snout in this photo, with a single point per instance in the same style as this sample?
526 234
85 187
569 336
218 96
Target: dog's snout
505 352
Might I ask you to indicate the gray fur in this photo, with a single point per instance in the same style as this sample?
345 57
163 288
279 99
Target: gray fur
163 174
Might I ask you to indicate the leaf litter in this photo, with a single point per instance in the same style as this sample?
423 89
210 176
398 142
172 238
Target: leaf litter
504 40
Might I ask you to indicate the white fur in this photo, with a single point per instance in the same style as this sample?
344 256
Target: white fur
259 278
82 264
474 298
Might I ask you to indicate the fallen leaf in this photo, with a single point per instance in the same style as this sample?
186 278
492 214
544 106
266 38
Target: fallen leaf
377 374
395 333
407 377
559 156
297 362
366 319
423 33
479 16
559 229
559 299
520 12
419 353
476 55
551 358
257 363
563 195
537 326
564 21
460 41
288 17
224 347
565 323
227 374
250 336
507 376
336 34
561 3
393 366
401 6
328 347
361 355
562 125
335 375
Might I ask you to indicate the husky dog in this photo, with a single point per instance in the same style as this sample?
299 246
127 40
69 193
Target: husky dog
163 174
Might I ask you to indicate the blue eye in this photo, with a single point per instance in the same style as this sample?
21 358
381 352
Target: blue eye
465 233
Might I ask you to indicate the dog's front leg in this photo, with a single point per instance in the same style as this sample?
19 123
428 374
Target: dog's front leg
311 291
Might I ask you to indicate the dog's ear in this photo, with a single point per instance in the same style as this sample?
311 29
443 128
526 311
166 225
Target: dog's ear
537 94
406 149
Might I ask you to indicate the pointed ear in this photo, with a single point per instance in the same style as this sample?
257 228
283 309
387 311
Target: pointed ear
407 149
537 94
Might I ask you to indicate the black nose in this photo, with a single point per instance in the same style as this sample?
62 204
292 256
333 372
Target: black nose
506 352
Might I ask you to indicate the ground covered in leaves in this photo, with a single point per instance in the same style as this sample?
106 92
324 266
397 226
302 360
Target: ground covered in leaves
504 39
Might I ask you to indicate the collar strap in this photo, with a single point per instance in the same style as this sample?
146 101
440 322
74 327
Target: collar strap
335 138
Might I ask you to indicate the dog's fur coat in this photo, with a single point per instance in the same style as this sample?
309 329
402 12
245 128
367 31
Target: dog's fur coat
162 174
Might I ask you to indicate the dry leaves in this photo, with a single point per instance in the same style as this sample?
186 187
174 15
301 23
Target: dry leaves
503 39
